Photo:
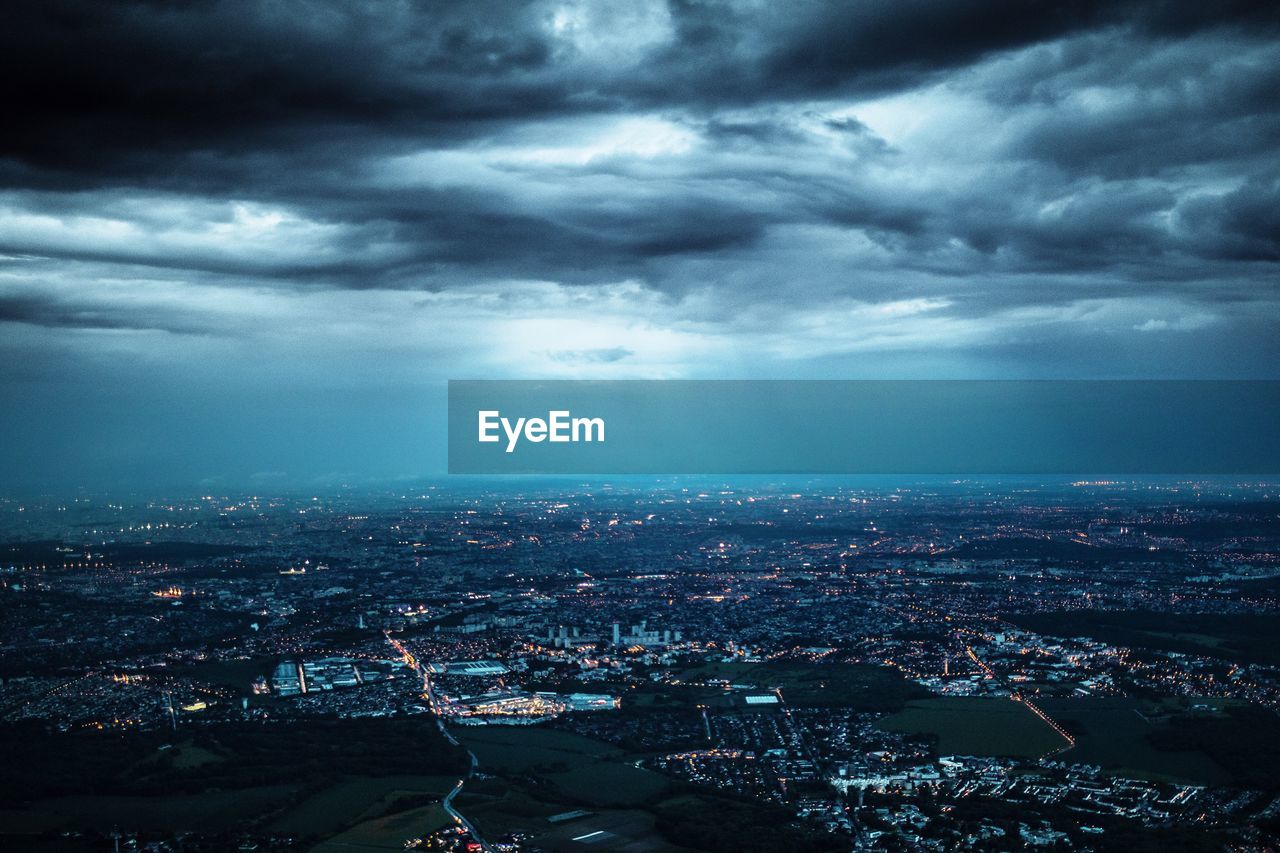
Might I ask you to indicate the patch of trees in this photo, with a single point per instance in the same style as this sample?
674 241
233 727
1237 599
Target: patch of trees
719 825
41 763
1245 742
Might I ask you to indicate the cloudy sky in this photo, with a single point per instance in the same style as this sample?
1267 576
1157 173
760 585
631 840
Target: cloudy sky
248 242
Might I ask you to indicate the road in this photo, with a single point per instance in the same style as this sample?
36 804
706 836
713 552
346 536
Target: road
1069 741
447 802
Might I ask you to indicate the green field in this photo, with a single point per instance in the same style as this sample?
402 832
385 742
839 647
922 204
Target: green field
524 748
632 831
47 844
973 725
1235 637
183 755
387 833
309 779
502 809
324 813
680 824
720 825
352 800
609 783
1123 736
607 829
586 770
186 756
1116 735
211 811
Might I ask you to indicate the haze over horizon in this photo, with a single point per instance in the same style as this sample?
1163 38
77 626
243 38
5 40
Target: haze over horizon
248 244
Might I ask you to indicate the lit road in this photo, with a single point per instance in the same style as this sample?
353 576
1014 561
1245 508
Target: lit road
447 802
1069 741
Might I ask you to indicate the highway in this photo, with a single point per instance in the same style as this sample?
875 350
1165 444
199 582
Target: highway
1069 741
447 802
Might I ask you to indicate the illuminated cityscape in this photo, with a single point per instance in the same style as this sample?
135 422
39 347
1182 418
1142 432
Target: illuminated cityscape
982 665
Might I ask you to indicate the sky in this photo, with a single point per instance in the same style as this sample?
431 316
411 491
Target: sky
246 244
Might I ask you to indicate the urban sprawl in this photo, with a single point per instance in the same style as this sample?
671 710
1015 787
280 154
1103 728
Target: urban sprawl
647 666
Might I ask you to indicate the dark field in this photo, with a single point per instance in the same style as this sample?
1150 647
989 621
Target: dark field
972 725
387 833
309 780
1244 637
1119 735
582 769
816 685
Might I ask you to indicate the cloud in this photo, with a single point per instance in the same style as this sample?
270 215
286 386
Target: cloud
1241 225
38 309
602 355
403 147
1178 324
319 195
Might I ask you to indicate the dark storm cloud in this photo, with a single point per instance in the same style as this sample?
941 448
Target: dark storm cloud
1242 225
284 103
99 83
1201 102
42 310
116 85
